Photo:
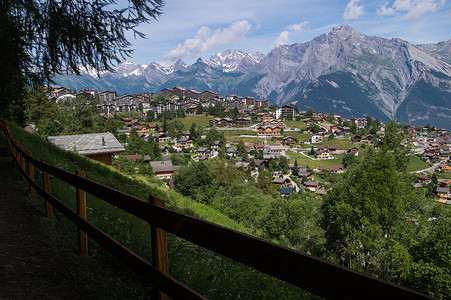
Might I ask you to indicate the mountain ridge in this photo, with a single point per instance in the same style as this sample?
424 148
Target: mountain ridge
388 75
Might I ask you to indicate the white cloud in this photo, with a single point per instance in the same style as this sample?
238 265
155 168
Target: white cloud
412 9
284 36
386 11
205 40
353 10
298 27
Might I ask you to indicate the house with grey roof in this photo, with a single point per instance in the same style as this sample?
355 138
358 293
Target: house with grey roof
97 146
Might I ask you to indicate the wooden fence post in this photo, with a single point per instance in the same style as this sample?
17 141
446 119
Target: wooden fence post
22 163
46 182
81 211
31 173
159 247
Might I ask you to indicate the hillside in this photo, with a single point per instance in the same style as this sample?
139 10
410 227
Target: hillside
189 263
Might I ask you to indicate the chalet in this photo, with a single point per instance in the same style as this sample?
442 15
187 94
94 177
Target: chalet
274 149
218 122
97 146
356 139
332 148
244 165
369 138
446 167
354 150
320 192
311 185
232 151
163 169
289 140
443 193
162 137
424 178
286 191
324 154
203 151
316 139
243 122
216 145
261 163
284 182
185 142
444 182
209 95
337 168
308 121
268 131
305 173
346 130
274 122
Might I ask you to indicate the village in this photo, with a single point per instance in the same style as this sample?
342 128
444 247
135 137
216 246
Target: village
301 149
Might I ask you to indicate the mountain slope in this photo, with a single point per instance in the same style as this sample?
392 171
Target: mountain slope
342 71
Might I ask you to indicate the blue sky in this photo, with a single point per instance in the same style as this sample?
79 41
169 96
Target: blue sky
198 28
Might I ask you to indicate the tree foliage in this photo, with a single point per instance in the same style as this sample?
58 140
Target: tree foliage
44 37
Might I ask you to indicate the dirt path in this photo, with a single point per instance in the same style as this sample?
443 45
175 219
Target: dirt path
31 265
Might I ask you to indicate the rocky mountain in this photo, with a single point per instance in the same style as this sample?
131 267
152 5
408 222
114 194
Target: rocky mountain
342 71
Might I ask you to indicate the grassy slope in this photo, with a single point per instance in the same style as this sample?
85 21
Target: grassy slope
210 274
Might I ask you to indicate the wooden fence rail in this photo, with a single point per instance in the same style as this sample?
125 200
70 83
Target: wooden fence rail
305 271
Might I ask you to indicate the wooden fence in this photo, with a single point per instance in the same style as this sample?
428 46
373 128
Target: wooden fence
310 273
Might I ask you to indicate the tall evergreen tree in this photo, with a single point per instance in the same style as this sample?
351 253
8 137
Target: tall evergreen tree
43 37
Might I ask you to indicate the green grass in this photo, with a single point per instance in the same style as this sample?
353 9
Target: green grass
304 161
200 120
300 136
415 164
297 124
208 273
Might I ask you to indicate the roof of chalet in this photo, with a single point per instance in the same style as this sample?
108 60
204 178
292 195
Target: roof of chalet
286 190
88 144
442 190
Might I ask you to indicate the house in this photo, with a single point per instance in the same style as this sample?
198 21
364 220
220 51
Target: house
354 150
274 149
268 131
443 193
289 140
244 165
356 139
203 151
332 148
316 139
97 146
369 138
446 167
243 122
284 182
262 163
321 192
424 179
232 151
304 172
162 137
286 191
324 154
337 168
311 186
286 112
163 169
